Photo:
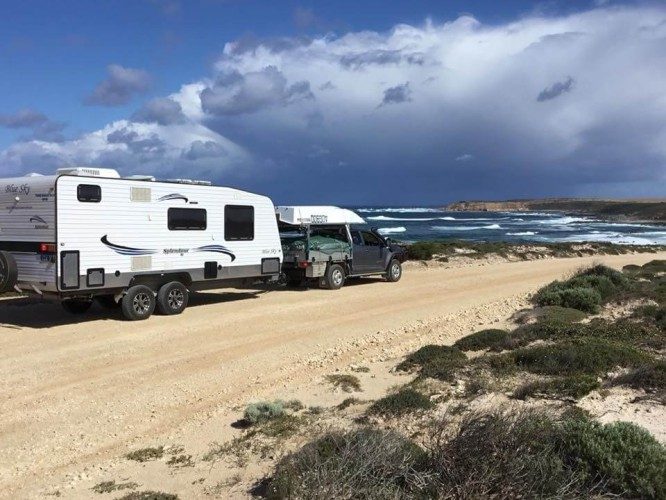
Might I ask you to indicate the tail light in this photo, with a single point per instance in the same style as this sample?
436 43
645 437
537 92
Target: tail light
47 248
303 264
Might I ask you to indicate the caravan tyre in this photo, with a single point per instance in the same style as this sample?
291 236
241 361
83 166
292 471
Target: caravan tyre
394 271
335 277
76 306
8 272
138 303
172 298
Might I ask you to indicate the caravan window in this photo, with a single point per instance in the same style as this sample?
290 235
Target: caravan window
187 219
238 223
89 193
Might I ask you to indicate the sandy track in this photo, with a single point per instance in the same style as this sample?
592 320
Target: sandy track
74 393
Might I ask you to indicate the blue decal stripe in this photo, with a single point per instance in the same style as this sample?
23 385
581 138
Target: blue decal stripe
126 250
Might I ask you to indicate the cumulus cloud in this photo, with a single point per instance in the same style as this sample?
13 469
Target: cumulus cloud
120 85
235 93
298 118
465 157
164 111
40 125
556 90
397 94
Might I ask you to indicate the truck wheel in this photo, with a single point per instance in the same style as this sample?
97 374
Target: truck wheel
8 272
394 271
138 303
76 306
172 298
335 277
108 302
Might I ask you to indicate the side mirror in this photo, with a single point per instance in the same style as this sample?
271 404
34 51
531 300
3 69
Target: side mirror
388 241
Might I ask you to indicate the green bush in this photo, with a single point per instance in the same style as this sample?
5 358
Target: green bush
404 401
263 411
650 377
435 361
559 314
591 356
422 250
621 457
584 291
574 387
484 339
365 463
502 456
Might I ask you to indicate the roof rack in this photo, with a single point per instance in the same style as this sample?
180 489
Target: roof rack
139 177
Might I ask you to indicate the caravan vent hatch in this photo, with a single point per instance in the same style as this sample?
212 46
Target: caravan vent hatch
89 172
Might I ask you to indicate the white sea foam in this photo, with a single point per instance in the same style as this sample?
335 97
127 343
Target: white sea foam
619 238
406 210
524 233
405 219
564 220
466 228
391 230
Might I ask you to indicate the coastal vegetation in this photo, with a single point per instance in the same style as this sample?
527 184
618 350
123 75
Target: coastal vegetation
543 444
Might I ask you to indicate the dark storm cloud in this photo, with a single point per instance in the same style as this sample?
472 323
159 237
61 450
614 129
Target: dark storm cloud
249 44
556 90
119 87
122 136
234 93
201 149
163 111
397 94
43 129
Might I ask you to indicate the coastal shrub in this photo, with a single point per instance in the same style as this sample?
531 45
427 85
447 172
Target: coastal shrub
484 339
591 356
650 377
500 455
621 457
585 291
573 387
435 361
149 495
263 411
365 463
348 383
404 401
423 250
654 266
146 454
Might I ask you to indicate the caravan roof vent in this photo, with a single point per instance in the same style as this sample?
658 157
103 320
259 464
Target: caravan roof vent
190 181
149 178
89 172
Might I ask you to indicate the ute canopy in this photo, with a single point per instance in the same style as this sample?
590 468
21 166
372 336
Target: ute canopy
316 215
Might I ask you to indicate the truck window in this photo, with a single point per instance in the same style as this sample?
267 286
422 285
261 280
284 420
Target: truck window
238 223
186 219
356 237
89 193
371 240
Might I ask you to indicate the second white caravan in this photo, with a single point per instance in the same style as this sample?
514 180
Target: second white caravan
87 234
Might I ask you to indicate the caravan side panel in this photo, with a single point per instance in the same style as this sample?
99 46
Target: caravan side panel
120 229
27 219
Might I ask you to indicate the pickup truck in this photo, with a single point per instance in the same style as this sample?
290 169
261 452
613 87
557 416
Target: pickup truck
325 245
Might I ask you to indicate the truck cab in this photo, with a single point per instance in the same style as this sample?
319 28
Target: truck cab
328 245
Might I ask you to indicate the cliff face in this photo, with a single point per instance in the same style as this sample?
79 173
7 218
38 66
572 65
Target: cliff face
647 210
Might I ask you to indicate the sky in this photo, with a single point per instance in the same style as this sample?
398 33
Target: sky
347 102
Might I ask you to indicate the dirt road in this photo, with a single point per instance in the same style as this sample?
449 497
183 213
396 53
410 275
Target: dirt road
77 390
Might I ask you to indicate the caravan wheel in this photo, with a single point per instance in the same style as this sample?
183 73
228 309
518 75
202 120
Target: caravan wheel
8 272
138 303
172 298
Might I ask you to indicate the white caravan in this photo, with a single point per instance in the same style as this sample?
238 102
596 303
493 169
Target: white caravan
134 243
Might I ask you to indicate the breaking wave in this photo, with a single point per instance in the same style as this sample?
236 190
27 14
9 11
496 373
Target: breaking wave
524 233
391 230
466 228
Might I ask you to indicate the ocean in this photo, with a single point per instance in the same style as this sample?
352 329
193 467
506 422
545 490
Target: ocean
428 223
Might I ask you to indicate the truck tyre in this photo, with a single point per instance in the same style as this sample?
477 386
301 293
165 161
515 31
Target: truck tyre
8 272
76 306
108 301
172 298
335 277
394 271
138 303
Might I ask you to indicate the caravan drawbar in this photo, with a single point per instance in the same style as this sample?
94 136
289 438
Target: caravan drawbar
88 234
